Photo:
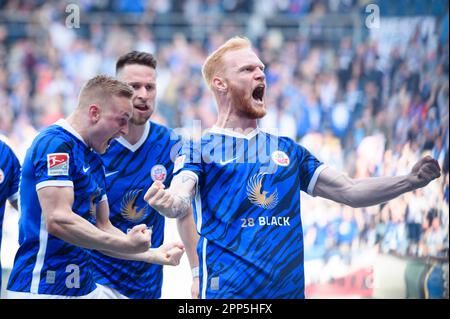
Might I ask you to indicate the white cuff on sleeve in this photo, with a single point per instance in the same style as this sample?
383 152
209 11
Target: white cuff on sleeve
312 182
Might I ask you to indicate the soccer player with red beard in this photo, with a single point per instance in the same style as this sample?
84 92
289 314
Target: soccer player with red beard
246 187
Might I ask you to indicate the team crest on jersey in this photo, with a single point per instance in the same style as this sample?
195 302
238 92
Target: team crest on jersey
128 208
57 164
179 163
280 158
158 173
2 176
258 196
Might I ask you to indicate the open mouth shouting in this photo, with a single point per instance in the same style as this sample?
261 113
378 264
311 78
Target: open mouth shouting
258 93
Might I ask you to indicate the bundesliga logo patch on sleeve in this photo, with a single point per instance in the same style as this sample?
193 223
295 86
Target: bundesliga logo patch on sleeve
58 164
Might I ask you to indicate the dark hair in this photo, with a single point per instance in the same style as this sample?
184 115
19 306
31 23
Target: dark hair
135 57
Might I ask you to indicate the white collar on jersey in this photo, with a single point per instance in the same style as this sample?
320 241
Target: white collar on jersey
65 125
230 132
135 147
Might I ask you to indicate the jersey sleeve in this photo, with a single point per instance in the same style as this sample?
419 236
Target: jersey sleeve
12 170
309 169
189 159
14 186
53 163
173 150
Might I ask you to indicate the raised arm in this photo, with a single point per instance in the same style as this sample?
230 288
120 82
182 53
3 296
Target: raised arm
175 201
62 222
340 188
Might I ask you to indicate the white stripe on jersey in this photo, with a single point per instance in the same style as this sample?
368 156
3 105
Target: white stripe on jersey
205 271
313 180
134 147
43 237
60 183
198 208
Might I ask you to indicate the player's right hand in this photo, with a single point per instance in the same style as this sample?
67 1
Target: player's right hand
139 238
159 198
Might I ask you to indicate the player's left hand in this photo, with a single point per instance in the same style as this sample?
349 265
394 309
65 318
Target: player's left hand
424 171
167 254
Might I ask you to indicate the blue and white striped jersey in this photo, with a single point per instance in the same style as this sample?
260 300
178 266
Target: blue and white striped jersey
9 181
130 171
45 264
247 212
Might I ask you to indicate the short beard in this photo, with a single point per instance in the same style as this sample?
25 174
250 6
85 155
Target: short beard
244 105
251 112
139 120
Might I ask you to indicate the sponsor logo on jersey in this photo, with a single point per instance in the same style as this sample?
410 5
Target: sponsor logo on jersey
128 208
258 196
280 158
58 164
2 176
158 173
179 163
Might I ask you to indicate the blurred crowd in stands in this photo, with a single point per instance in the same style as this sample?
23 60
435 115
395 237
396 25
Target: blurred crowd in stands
359 108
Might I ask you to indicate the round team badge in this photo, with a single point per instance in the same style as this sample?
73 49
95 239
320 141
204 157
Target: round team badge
280 158
158 173
2 176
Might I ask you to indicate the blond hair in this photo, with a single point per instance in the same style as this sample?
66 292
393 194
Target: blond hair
213 62
102 88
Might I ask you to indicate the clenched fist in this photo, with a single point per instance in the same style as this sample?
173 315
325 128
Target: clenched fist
139 238
166 203
158 197
424 171
167 254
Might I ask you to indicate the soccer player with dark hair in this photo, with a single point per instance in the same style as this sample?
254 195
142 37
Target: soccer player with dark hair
246 184
133 162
